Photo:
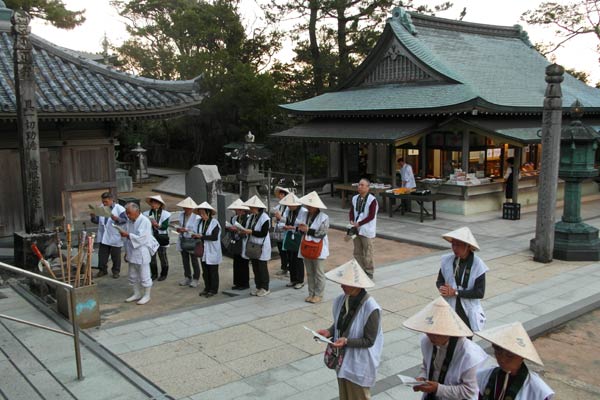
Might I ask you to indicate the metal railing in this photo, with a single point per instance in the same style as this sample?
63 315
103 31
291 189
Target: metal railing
52 282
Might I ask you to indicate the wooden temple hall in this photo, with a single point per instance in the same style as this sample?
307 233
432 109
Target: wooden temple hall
80 104
444 95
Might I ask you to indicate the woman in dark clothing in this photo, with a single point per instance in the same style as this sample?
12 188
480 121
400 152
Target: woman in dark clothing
241 273
209 231
258 235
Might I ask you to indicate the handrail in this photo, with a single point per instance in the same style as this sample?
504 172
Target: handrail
52 282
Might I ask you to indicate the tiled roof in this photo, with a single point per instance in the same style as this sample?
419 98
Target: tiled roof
491 68
69 86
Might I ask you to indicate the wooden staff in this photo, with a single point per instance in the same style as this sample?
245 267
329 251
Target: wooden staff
80 248
88 272
69 244
40 257
62 266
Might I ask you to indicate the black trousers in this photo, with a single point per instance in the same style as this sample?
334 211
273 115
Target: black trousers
210 275
261 274
185 258
164 263
296 267
104 251
241 272
285 262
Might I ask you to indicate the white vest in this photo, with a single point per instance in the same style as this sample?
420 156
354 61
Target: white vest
369 229
212 248
107 234
360 364
322 219
164 215
191 223
300 218
472 307
534 388
140 245
265 241
467 355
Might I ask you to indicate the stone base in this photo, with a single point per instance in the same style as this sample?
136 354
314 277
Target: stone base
576 242
24 257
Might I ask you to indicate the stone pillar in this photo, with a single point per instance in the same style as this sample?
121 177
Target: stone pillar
543 243
27 125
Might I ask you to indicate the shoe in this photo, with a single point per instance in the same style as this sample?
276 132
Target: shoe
115 275
203 293
253 292
209 294
100 274
281 272
290 284
262 292
235 287
316 299
137 293
162 278
194 283
185 282
243 287
146 297
308 299
299 285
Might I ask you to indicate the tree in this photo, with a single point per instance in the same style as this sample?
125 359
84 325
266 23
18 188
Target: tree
340 33
183 39
53 11
581 17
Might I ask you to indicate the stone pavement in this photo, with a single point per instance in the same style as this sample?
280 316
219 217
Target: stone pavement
256 348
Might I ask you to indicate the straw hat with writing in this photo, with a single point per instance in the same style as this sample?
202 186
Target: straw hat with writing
205 206
155 198
281 189
290 200
255 202
514 338
238 205
313 200
438 318
463 235
187 203
350 274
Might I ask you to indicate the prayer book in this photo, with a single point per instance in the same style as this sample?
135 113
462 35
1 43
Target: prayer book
318 337
409 381
100 211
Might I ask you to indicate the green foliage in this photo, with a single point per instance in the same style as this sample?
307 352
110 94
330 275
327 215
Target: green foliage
53 11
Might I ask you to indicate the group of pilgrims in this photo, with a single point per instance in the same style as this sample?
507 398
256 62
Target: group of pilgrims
248 236
454 367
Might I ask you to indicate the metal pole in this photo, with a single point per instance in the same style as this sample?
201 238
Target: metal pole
22 321
543 243
75 333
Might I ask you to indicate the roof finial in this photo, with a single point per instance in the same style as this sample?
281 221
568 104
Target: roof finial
523 35
400 15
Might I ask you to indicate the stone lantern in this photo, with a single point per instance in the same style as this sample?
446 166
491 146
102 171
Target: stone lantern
249 156
140 154
575 240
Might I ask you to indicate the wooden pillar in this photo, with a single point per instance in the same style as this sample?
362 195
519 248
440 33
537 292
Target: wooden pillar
543 243
345 162
516 171
27 125
393 164
465 152
423 152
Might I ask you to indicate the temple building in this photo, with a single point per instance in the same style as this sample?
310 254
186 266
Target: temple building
80 104
450 97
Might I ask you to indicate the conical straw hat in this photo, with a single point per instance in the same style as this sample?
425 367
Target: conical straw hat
281 189
238 205
438 318
350 274
254 201
187 203
313 200
514 338
290 200
464 235
205 206
157 198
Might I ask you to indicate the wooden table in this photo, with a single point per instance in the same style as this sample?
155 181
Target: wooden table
420 199
344 188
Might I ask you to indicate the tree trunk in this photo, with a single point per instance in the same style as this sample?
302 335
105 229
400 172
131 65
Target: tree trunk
343 50
314 47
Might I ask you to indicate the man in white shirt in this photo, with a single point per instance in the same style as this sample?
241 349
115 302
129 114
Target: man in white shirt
363 218
108 236
408 180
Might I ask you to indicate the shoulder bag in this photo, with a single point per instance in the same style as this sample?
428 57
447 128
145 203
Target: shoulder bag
291 241
187 244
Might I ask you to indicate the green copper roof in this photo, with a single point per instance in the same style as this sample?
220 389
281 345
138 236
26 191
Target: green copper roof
492 68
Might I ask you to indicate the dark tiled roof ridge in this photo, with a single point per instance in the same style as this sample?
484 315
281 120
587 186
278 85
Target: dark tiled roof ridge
465 26
72 56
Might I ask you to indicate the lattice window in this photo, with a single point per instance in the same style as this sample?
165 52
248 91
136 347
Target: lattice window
395 67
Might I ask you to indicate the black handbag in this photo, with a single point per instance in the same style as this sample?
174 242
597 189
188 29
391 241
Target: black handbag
187 244
231 243
162 238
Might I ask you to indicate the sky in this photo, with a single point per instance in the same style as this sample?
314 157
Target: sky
102 19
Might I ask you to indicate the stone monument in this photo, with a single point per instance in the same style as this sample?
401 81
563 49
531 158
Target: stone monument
249 156
202 183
